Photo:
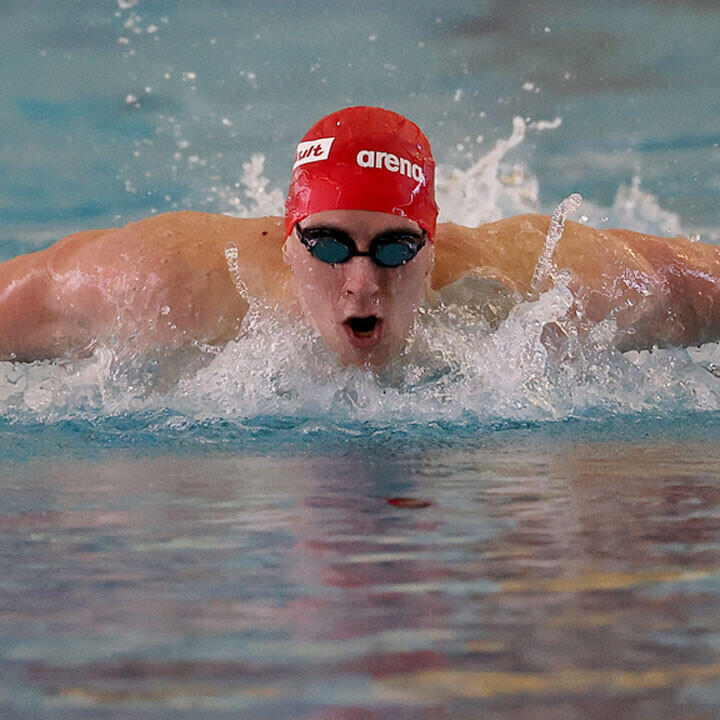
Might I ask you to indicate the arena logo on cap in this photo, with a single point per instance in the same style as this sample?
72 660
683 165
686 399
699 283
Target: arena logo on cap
312 151
391 162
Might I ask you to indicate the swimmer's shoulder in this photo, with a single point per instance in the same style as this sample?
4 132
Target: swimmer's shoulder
198 238
178 249
203 230
201 238
201 242
505 250
188 226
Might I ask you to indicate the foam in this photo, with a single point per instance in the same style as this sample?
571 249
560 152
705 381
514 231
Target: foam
460 366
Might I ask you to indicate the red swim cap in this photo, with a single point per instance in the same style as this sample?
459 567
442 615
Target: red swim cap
363 158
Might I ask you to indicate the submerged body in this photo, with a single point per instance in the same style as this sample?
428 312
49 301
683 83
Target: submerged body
163 283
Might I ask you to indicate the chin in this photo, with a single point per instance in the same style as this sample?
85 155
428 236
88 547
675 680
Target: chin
375 357
370 360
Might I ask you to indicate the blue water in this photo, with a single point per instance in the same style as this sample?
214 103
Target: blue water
479 532
95 98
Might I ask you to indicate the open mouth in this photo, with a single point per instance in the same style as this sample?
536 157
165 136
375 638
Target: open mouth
364 331
362 326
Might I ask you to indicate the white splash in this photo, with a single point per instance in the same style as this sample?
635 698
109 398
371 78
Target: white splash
555 231
457 365
489 189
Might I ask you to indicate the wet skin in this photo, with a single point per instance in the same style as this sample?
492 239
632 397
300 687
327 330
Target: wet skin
163 284
364 312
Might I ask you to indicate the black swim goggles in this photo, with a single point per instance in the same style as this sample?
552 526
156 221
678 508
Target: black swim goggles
389 249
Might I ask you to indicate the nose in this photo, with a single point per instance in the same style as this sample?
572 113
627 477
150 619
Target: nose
361 278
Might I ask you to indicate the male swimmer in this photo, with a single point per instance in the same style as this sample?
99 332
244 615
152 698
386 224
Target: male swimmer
358 252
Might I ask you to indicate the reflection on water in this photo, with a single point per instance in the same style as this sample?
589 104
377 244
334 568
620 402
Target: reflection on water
562 580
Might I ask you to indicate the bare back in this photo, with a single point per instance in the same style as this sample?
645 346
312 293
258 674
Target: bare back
163 282
158 283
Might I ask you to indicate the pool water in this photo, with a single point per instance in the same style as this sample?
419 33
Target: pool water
526 574
480 530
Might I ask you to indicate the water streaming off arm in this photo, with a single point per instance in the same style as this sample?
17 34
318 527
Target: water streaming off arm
543 268
463 367
231 258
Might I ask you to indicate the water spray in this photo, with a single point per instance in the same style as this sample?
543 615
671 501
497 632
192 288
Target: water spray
543 267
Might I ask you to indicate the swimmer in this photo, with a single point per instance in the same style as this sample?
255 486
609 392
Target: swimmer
357 253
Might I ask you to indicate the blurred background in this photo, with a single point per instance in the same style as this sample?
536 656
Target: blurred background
111 110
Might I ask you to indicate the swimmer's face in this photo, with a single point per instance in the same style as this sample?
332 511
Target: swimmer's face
363 311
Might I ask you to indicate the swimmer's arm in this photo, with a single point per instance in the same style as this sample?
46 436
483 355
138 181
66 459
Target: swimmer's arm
38 318
660 291
684 306
161 283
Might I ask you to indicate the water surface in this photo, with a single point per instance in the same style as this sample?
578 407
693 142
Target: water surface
484 530
514 578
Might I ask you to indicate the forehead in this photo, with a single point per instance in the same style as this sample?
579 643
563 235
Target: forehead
360 222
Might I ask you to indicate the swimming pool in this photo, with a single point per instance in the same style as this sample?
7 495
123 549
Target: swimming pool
476 532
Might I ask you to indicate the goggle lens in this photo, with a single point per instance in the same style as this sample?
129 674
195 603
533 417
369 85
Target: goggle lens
329 250
393 253
335 247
